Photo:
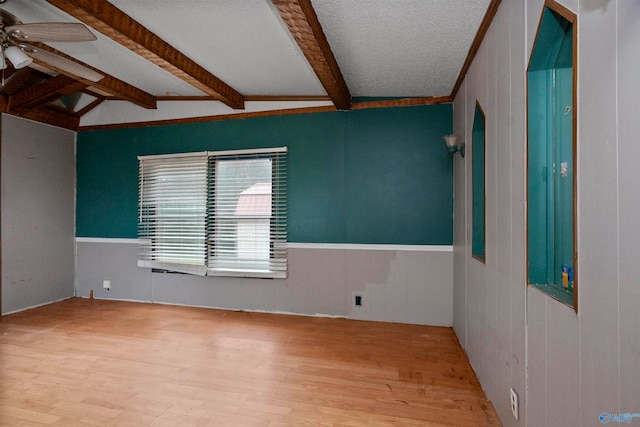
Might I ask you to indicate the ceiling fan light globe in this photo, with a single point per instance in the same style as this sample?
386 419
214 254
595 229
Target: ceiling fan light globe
18 58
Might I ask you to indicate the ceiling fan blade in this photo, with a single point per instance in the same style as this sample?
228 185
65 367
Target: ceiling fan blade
51 32
63 64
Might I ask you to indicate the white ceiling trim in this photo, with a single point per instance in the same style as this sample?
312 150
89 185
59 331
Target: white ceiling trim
122 112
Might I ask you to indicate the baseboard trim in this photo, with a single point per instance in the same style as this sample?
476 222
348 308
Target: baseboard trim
36 306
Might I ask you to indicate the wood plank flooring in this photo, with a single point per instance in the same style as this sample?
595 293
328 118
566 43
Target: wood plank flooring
96 362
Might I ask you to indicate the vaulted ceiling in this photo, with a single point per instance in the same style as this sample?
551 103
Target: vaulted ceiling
166 61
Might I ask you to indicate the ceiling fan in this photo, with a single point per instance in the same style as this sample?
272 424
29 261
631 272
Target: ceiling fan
14 38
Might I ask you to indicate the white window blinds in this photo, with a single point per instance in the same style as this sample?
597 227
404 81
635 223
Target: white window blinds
248 214
216 213
173 204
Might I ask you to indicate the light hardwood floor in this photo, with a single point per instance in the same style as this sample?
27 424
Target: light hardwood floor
94 362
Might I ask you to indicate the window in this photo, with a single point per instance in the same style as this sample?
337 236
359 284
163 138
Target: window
172 212
478 231
551 156
247 214
215 213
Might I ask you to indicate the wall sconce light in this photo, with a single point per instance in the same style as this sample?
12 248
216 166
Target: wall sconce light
451 142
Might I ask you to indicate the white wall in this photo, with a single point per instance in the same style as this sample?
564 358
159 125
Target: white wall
567 368
38 179
397 284
489 298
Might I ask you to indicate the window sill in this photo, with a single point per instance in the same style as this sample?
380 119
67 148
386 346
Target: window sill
260 274
557 292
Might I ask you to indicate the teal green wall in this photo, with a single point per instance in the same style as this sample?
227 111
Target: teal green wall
478 160
550 207
550 144
367 176
539 180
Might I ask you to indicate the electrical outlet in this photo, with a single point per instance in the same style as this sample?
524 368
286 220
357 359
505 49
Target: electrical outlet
514 403
358 300
106 284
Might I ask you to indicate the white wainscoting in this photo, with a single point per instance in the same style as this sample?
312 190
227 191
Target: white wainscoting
405 284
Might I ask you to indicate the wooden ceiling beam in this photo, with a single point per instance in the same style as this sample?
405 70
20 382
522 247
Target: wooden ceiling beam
127 92
89 107
49 116
406 102
45 92
16 80
108 84
248 98
305 28
120 27
4 105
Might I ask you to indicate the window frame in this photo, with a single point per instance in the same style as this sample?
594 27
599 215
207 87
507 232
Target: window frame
479 201
149 221
275 266
567 296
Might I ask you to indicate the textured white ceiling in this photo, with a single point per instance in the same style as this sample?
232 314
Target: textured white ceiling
104 53
242 42
400 47
384 48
